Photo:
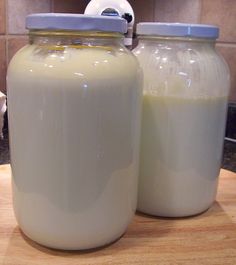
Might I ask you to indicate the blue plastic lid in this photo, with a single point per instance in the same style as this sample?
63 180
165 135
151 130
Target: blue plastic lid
80 22
178 30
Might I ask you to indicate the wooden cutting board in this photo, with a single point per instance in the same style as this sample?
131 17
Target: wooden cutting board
209 238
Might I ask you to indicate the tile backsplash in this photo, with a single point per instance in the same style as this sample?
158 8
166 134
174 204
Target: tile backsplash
2 17
17 10
218 12
185 11
223 14
69 6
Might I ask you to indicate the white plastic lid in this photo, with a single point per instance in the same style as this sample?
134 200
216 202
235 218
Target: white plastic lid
178 30
65 21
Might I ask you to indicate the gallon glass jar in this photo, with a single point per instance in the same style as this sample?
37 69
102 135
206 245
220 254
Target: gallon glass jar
186 85
74 97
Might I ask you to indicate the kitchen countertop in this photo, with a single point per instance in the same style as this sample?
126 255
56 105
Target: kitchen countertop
209 238
229 159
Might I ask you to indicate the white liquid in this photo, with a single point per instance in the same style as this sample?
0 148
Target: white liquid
74 125
182 140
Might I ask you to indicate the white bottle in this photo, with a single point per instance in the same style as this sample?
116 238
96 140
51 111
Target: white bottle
120 8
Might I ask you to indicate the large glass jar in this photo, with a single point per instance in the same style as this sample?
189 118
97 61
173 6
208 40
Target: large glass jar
186 84
74 97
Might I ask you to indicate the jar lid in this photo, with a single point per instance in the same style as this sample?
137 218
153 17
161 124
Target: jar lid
178 30
80 22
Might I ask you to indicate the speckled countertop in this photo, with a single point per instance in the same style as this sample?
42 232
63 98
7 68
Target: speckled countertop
229 159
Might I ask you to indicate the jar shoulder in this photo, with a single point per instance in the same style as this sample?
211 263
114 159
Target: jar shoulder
163 52
71 60
194 70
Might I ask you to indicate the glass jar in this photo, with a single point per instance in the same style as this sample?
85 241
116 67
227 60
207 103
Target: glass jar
74 97
186 85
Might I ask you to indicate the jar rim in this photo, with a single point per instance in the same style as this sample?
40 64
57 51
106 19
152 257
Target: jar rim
174 38
74 33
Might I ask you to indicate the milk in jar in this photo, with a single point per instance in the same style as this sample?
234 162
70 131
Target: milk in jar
186 84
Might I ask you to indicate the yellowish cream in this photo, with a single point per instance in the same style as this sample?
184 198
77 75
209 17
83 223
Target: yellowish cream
181 147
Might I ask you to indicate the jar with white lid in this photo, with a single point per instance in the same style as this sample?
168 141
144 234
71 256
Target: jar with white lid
186 85
74 98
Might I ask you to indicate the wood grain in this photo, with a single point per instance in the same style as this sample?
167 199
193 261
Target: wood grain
209 238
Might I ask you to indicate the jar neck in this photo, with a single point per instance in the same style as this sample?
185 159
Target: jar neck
177 41
75 38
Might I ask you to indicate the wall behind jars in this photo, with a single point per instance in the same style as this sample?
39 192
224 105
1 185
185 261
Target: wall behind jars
218 12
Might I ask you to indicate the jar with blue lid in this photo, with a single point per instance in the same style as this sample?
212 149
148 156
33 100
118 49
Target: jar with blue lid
74 117
186 86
